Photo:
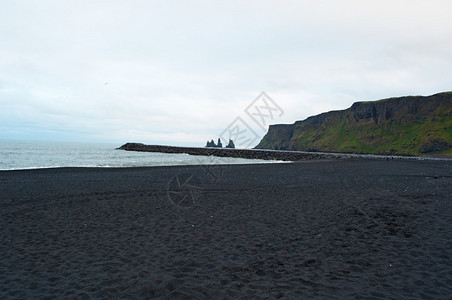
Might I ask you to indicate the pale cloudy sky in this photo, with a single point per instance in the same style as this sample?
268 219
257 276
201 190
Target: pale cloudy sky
179 72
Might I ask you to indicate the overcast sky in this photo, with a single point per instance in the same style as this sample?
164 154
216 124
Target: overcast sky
179 72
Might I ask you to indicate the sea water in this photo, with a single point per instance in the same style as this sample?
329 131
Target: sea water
16 155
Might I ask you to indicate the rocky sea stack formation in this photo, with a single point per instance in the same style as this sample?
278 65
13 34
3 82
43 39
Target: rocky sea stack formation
212 144
413 125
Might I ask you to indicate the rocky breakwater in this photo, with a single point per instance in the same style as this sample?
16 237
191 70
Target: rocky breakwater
236 153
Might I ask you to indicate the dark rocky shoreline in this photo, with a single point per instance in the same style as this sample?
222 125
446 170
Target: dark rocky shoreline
255 153
223 152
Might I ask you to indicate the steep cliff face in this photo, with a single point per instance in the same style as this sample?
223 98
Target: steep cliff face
413 125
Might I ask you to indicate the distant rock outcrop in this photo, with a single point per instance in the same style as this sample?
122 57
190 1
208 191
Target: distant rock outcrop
411 125
213 145
230 144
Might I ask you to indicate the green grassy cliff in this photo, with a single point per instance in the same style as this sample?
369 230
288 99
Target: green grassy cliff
413 125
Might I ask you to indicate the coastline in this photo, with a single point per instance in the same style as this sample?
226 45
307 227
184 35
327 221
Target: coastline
36 155
280 155
317 229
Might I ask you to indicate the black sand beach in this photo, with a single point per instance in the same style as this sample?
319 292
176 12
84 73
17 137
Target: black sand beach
371 229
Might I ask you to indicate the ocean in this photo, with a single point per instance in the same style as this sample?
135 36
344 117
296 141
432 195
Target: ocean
17 155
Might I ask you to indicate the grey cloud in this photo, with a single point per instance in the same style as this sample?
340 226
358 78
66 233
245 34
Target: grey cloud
180 73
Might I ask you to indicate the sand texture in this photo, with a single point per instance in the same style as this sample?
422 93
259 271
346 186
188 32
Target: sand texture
344 229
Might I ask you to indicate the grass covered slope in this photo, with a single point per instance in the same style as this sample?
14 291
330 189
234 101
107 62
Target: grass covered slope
413 125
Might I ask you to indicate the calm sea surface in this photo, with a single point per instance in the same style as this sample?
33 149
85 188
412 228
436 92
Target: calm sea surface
31 155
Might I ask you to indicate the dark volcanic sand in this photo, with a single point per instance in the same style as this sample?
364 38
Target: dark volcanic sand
318 229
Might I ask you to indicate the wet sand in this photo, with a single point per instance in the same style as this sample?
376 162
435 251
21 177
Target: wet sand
317 229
